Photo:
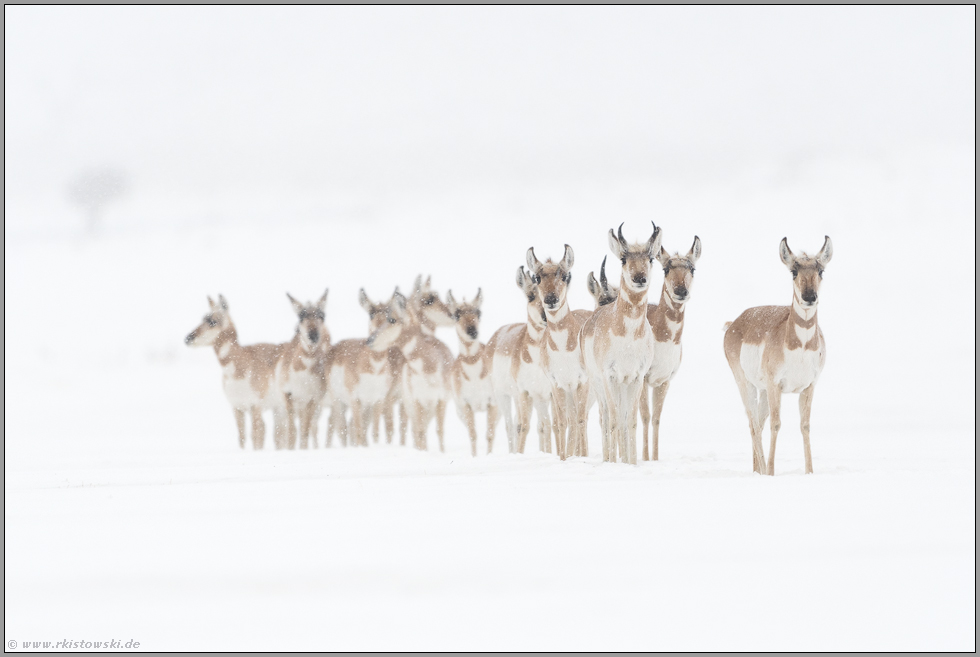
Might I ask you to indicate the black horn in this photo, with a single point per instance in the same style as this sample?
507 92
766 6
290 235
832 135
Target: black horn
622 240
602 274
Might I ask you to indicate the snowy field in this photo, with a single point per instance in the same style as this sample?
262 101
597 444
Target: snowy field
130 511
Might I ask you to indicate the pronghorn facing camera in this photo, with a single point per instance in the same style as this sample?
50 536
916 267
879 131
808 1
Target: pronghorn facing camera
359 374
470 376
300 372
426 309
667 321
518 380
618 346
777 349
561 353
248 373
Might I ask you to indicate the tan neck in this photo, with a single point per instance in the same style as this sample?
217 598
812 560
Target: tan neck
631 305
226 346
470 348
558 314
535 327
801 327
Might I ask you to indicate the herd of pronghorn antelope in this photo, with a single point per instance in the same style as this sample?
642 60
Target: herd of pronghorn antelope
557 363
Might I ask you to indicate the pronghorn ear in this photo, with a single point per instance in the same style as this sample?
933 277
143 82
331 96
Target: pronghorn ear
826 252
653 244
532 261
362 298
663 257
614 245
450 302
399 303
785 254
322 303
523 280
297 306
211 303
569 258
222 302
428 281
593 286
418 284
478 299
695 253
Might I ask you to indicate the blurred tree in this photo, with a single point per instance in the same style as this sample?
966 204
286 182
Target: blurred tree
92 190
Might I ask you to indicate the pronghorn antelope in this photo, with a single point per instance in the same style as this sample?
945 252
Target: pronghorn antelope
248 373
425 377
561 352
300 372
777 349
377 318
602 292
426 309
667 321
618 345
470 376
359 375
515 353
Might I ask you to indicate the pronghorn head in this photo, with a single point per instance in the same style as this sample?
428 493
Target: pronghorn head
551 278
425 303
376 311
215 323
466 315
601 290
807 270
679 271
311 318
535 308
392 319
636 259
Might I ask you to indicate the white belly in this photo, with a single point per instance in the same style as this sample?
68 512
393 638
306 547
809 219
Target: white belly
666 362
242 395
750 358
801 368
372 388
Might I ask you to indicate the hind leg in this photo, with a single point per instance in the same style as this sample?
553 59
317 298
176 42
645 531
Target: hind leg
645 418
775 395
441 424
240 423
258 428
491 426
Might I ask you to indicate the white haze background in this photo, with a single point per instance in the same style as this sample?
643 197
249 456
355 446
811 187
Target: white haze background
274 149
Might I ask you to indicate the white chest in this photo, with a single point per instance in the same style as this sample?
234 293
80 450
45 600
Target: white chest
666 361
801 368
629 358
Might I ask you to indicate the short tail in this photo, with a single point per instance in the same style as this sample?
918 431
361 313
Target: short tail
727 324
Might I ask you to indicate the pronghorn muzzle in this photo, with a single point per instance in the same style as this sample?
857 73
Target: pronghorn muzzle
313 335
551 300
190 337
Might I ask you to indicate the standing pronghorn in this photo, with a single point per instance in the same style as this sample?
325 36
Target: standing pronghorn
618 345
667 321
561 353
300 372
777 349
359 375
515 353
470 375
248 373
425 376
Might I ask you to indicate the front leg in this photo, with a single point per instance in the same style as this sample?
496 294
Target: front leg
291 422
659 394
582 417
240 423
775 397
645 418
806 400
491 425
470 422
561 421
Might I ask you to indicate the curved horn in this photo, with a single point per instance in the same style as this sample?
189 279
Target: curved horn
603 281
622 240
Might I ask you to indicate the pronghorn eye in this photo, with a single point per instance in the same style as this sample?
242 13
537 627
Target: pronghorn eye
320 315
456 315
666 270
392 320
211 321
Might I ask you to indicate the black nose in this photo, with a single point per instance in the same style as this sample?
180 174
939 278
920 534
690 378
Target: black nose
471 331
810 296
680 292
640 279
551 299
314 335
190 338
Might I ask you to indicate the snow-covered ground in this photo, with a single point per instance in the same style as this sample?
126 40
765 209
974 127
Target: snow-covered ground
130 511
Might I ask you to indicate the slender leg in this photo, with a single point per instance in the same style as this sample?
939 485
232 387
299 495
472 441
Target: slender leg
523 420
545 424
305 415
470 421
505 408
806 400
645 418
375 423
491 426
389 417
561 421
418 427
775 396
290 423
441 424
279 426
582 417
240 423
357 423
258 428
659 394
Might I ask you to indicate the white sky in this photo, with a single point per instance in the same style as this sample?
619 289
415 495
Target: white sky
188 97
